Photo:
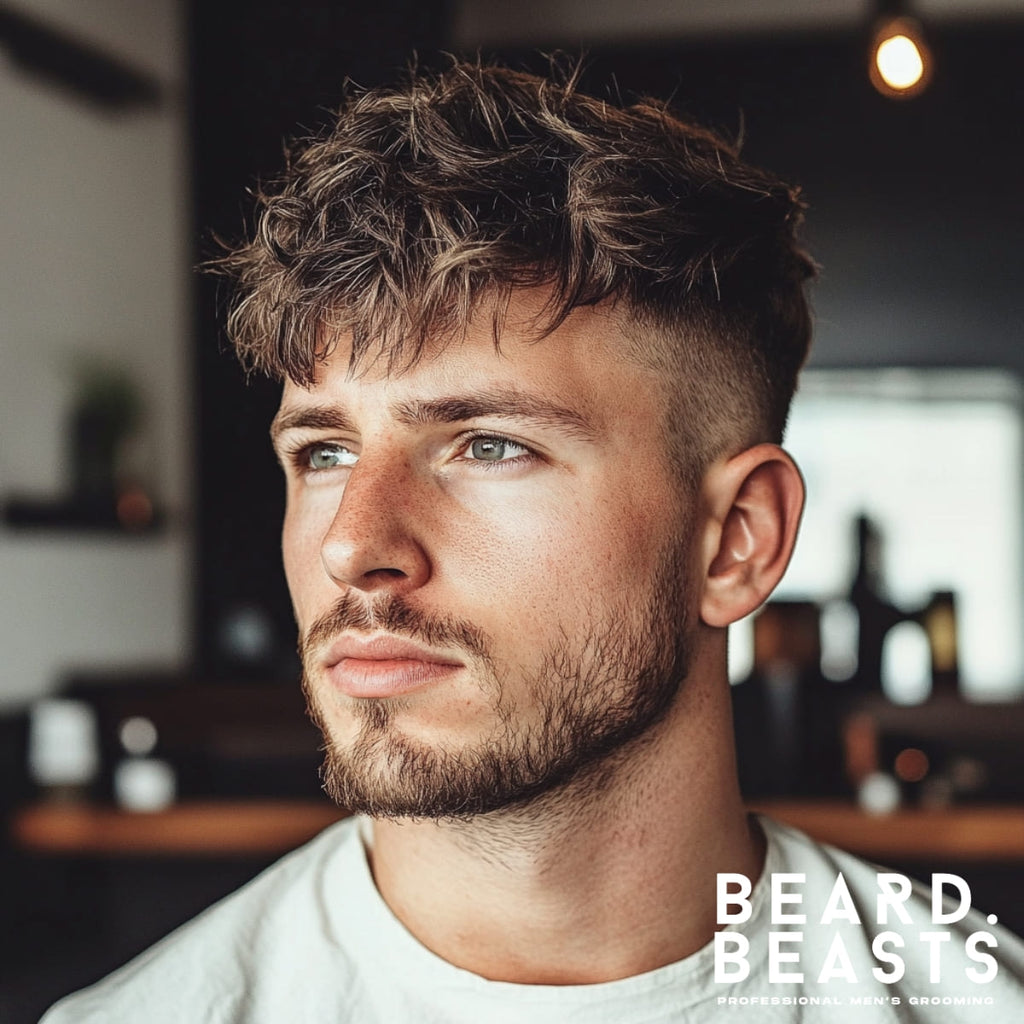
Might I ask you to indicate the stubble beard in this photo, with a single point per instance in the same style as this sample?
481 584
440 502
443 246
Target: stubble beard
596 692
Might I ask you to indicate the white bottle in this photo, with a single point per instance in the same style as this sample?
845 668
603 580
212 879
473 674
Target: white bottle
141 782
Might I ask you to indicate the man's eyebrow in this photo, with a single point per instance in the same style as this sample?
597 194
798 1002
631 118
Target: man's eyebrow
509 403
314 417
502 402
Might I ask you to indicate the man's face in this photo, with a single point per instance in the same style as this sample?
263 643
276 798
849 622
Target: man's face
487 555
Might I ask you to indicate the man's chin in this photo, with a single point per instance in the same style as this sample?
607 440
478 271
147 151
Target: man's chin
393 777
396 778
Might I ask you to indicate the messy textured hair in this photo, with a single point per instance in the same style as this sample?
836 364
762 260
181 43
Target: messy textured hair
425 203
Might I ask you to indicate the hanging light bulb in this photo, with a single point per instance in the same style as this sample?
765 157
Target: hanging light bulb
900 61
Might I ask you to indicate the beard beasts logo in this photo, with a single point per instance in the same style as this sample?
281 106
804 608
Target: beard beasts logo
841 944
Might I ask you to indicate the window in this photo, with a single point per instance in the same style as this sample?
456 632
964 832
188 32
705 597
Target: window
934 458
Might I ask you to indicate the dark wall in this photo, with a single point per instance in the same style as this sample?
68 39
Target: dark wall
261 72
915 205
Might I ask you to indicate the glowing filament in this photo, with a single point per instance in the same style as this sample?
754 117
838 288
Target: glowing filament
899 62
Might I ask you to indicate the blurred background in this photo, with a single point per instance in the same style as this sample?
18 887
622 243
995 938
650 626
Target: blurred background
153 746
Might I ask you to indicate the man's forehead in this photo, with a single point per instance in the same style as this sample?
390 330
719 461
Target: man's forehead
516 349
498 320
577 378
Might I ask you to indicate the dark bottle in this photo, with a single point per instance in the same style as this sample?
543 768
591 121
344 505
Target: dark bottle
875 614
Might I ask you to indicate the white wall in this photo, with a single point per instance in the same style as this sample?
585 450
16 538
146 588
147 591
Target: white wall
93 220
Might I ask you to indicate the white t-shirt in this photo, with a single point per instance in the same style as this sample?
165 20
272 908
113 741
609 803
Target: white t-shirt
311 940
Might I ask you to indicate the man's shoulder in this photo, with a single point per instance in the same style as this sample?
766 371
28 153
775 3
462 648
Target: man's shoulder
244 951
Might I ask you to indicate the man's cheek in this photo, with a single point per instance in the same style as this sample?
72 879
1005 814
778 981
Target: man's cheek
294 573
312 590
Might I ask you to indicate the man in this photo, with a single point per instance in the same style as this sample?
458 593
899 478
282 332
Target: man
537 355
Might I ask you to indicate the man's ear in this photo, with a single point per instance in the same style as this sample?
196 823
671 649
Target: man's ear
754 501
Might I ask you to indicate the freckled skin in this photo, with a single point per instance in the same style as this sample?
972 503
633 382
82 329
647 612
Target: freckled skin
523 553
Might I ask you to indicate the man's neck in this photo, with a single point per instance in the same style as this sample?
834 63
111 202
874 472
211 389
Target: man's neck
607 878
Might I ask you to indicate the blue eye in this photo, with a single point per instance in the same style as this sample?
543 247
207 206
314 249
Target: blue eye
494 449
330 456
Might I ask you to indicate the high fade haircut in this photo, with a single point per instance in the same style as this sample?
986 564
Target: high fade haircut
424 203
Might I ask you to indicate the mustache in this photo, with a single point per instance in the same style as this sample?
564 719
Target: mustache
392 614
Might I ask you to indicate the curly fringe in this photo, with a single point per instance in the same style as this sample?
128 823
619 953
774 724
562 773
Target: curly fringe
424 199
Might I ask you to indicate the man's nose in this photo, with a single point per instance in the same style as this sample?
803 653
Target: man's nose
373 542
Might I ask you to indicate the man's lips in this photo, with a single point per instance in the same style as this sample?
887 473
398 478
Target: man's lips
383 665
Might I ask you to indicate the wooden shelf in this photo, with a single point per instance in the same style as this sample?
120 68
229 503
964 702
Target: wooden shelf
956 834
205 828
270 827
64 516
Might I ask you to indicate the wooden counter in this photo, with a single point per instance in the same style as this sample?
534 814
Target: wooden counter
210 828
955 834
262 827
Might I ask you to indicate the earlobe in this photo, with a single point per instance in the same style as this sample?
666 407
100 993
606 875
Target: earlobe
755 501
